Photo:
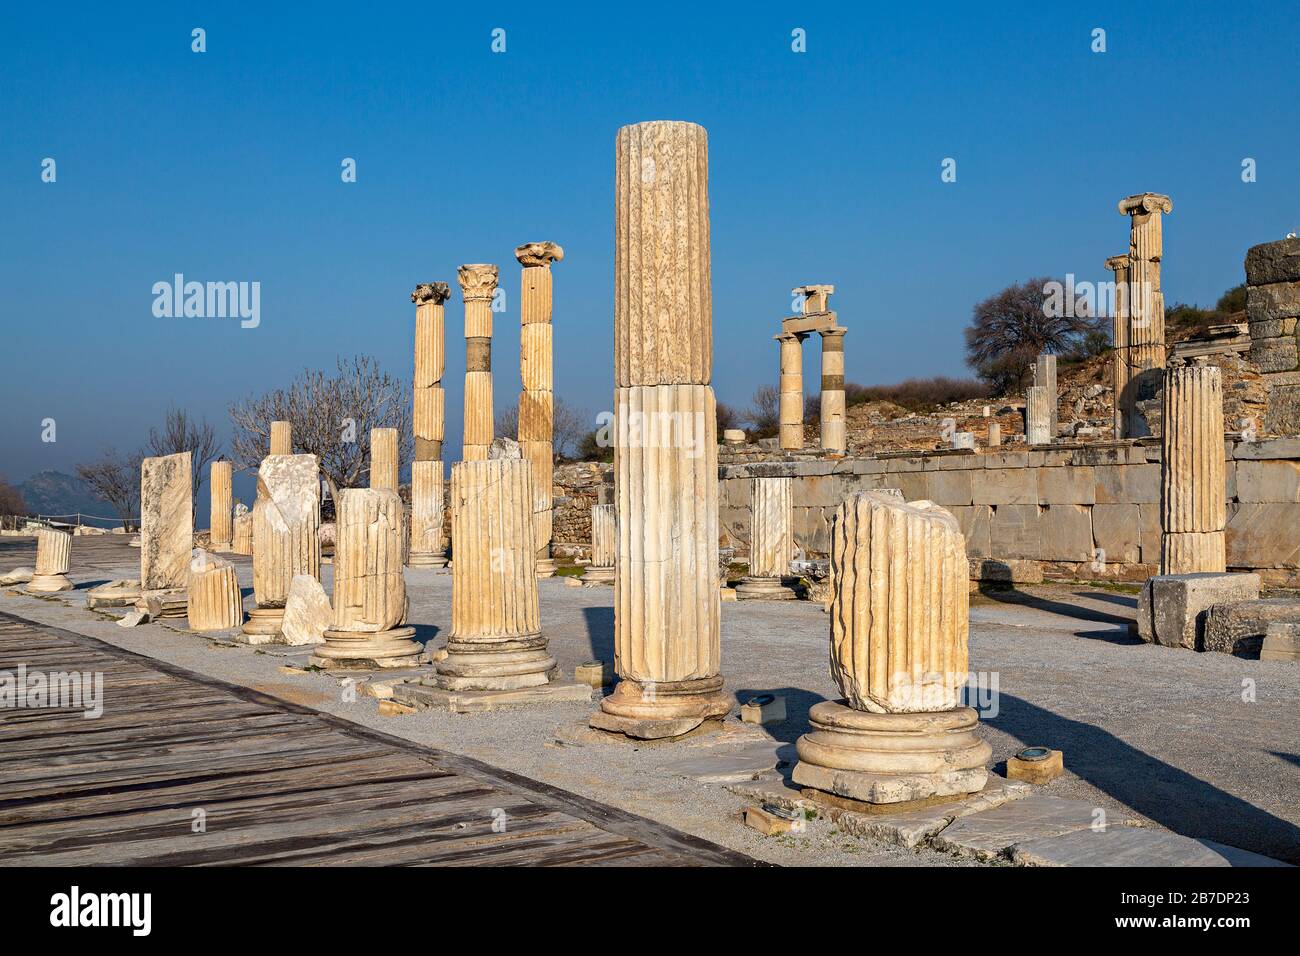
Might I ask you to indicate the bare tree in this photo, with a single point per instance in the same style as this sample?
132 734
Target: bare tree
331 416
116 479
181 433
764 408
11 500
571 427
506 423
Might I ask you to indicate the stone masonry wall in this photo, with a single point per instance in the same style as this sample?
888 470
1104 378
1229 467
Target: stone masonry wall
1079 511
576 487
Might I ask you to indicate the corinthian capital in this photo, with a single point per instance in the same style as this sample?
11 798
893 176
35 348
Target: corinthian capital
435 292
539 253
477 281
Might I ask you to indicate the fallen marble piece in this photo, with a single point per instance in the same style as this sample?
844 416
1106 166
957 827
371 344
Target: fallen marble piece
1131 846
133 618
307 612
18 576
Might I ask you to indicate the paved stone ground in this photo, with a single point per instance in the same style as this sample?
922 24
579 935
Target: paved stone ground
1157 734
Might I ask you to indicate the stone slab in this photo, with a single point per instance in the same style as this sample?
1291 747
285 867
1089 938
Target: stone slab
726 767
1172 608
1238 627
1131 846
890 788
1281 643
484 701
989 836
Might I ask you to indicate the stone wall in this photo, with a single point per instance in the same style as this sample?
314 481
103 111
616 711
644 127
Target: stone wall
1085 511
576 487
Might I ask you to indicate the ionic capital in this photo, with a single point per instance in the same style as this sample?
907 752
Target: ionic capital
1145 202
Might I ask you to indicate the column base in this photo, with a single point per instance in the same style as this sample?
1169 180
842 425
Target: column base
48 584
655 710
763 589
891 758
427 559
1193 552
545 567
495 665
263 626
598 576
122 593
367 650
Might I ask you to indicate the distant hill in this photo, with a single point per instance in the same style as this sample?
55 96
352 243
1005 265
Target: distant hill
56 493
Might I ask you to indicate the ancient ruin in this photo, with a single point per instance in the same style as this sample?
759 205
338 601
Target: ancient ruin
221 515
604 545
1192 471
771 547
166 529
1141 303
53 561
383 459
898 638
428 542
215 602
816 316
286 541
667 632
478 285
281 442
537 399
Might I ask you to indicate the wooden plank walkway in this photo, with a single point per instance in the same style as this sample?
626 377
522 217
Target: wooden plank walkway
279 784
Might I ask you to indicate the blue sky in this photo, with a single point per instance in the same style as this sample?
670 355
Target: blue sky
825 167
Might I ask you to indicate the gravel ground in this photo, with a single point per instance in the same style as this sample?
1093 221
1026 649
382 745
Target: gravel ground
1162 733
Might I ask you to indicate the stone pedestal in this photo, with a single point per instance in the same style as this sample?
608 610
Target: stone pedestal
53 556
536 401
791 390
995 435
428 543
166 524
478 284
286 540
604 545
666 604
369 590
1038 412
771 546
1045 375
220 527
1192 494
833 426
215 602
383 459
899 626
281 438
496 641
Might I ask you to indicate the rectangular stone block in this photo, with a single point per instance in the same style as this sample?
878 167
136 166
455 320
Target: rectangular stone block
914 485
1004 486
1006 571
1117 530
1272 448
1276 300
1276 354
1071 485
1006 459
1126 484
1149 533
1239 627
1014 532
1283 415
1281 643
1263 535
1065 533
812 530
1271 481
1176 605
1273 262
952 489
975 522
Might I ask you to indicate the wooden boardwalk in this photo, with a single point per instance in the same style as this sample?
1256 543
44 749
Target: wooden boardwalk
276 783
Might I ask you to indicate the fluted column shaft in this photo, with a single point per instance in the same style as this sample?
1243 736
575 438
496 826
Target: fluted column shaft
1121 367
281 438
242 538
833 426
428 545
53 551
1045 375
771 545
496 641
478 284
220 521
536 400
215 602
383 459
666 600
369 589
791 390
604 536
1146 301
286 535
1193 495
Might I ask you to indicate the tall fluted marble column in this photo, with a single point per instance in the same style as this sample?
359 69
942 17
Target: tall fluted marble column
604 545
496 640
370 602
1045 375
286 538
428 543
791 390
898 651
1192 492
53 559
478 284
1121 371
383 458
281 438
220 514
834 429
771 540
537 400
1146 302
667 646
